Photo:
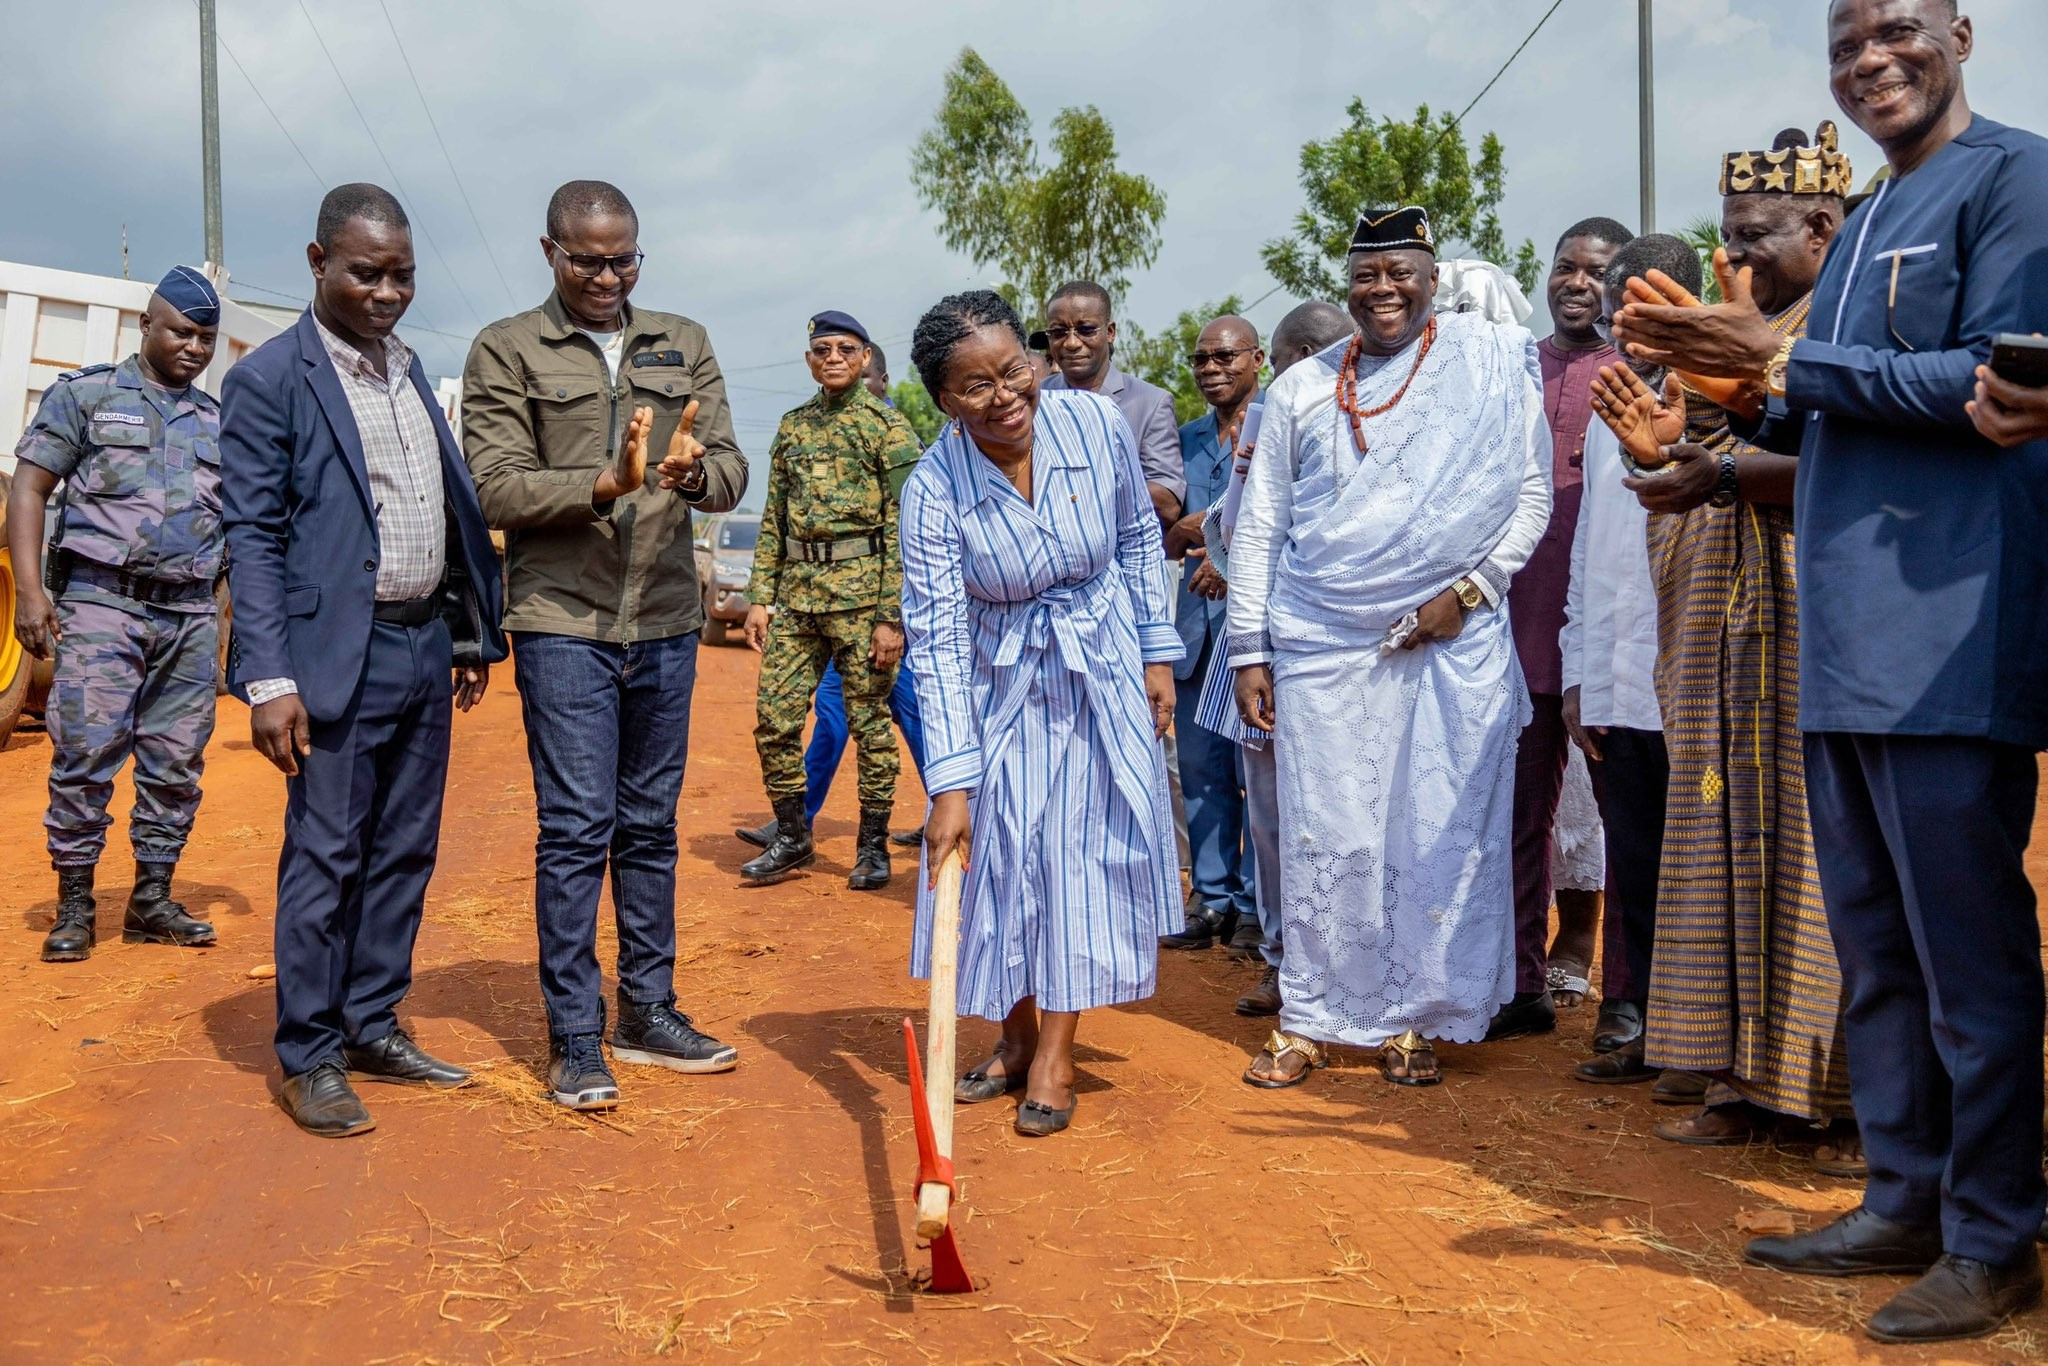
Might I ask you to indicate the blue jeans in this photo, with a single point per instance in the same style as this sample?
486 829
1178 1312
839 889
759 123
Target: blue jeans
1212 785
607 728
828 737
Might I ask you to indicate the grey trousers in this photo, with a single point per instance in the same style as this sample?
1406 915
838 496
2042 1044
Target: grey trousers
1262 830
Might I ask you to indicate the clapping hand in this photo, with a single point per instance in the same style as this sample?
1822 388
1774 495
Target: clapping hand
628 471
1662 323
681 467
1639 419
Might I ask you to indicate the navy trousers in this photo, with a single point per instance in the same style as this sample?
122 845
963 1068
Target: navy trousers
1541 753
607 728
362 825
829 735
1629 785
1920 842
1212 789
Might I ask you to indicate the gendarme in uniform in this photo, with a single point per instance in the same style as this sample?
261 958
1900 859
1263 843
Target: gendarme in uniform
132 567
827 563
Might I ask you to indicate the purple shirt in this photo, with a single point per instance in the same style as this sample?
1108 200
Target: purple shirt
1536 598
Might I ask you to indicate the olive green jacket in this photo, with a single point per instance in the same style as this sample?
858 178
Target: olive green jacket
836 470
541 418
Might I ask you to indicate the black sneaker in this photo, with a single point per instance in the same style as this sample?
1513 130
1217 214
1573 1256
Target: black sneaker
657 1035
577 1074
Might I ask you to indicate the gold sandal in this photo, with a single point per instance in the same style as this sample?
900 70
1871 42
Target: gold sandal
1409 1047
1278 1046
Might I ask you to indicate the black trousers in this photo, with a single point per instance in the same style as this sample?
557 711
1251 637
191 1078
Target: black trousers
1629 784
1919 841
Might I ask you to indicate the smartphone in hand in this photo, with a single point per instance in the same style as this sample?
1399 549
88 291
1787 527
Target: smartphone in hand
2020 359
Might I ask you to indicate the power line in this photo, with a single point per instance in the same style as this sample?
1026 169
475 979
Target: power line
267 109
1529 38
239 283
457 175
425 232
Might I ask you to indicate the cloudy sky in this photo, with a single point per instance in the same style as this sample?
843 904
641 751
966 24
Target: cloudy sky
766 145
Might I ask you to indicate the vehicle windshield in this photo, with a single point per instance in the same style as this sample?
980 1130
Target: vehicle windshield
738 535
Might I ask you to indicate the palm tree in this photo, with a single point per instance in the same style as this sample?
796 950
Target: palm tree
1703 234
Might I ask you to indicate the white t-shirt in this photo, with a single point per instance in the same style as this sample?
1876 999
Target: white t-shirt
612 345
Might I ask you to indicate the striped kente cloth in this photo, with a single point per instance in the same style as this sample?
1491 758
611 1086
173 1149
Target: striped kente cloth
1744 984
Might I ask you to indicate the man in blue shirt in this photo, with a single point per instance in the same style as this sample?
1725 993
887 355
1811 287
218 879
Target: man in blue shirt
1226 364
1923 591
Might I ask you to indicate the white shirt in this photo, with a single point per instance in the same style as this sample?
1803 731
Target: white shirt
610 345
1610 608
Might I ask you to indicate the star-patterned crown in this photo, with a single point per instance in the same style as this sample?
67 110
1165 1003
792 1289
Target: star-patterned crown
1790 167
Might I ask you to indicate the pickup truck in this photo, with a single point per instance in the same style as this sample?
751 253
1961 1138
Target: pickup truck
725 563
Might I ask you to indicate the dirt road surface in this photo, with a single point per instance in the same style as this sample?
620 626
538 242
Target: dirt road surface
156 1206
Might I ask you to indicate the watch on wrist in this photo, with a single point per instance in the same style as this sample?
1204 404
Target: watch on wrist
1468 593
1725 488
1774 373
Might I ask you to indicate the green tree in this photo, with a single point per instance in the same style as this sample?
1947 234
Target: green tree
1703 235
1162 357
1373 162
915 403
1079 218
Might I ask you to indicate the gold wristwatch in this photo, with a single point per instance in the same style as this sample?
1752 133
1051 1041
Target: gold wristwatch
1468 594
1774 373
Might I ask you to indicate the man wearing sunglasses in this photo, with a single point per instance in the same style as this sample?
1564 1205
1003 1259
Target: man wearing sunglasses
827 563
560 407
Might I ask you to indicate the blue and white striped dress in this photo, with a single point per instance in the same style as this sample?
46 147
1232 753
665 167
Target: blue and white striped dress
1029 626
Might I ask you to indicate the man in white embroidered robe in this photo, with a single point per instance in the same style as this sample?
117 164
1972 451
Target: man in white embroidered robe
1402 477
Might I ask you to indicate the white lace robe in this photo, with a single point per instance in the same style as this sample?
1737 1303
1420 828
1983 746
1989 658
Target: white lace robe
1396 770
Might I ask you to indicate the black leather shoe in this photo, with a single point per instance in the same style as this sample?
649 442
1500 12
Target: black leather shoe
70 940
1857 1244
871 854
1530 1012
153 918
659 1035
1620 1022
1622 1067
761 836
1204 927
791 848
908 839
1959 1297
396 1058
323 1103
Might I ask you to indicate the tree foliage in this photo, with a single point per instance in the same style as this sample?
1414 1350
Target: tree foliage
1383 162
1162 357
1078 218
1703 235
915 403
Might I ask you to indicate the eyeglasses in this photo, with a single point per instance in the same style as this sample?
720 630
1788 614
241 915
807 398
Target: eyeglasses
1085 331
827 350
1020 379
585 266
1225 358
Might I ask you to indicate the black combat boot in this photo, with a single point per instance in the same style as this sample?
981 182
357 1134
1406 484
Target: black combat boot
153 918
70 940
791 848
871 856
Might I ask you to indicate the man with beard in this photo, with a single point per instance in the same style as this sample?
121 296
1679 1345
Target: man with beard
1923 569
1402 478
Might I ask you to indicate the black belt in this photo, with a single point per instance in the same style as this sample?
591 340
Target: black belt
832 552
138 587
411 612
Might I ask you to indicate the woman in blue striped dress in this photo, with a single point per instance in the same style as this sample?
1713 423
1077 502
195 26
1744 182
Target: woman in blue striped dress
1040 637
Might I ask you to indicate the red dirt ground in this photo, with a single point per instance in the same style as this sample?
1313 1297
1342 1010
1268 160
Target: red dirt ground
156 1206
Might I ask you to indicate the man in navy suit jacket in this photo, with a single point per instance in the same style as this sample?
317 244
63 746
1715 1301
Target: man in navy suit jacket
366 599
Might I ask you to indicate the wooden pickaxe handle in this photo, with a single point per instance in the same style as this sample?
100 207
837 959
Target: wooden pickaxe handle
934 1200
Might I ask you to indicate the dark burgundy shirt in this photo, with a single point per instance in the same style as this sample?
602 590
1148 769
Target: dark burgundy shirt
1536 598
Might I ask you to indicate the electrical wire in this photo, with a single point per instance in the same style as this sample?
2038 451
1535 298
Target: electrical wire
251 80
1527 39
457 175
425 232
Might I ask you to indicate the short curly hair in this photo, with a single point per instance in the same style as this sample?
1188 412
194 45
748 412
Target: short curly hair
953 320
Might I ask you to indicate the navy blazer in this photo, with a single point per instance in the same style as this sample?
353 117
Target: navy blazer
1207 468
301 530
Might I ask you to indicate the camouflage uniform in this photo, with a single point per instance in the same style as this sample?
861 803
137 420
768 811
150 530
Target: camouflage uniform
834 473
140 518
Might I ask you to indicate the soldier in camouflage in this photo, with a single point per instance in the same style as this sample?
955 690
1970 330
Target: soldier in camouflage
129 613
827 563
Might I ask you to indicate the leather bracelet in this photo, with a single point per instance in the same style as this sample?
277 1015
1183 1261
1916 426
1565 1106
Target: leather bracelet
1727 487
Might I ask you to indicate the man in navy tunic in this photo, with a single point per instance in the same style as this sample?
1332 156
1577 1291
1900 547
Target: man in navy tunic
1923 593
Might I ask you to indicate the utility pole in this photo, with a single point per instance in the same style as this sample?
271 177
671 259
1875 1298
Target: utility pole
1646 113
209 135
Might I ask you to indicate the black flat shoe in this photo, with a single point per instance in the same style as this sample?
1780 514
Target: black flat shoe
1530 1012
1959 1297
1038 1120
908 839
396 1058
1203 929
1622 1067
978 1086
1857 1244
1620 1024
323 1103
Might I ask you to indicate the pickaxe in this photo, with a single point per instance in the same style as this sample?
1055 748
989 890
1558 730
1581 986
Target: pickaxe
931 1100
